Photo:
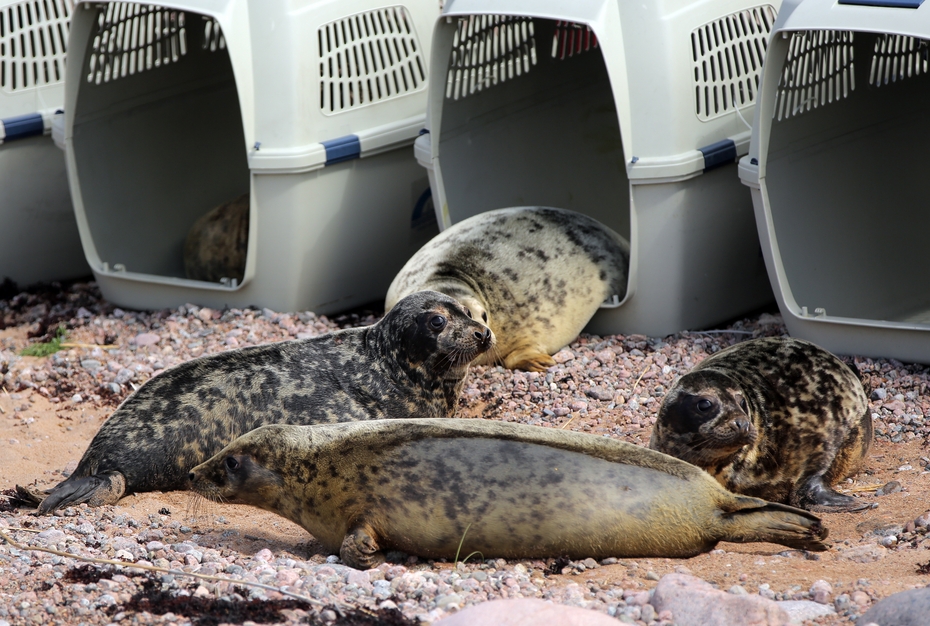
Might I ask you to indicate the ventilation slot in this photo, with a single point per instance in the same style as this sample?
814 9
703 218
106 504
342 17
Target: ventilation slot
728 55
33 41
488 50
818 70
133 38
213 39
367 58
571 39
897 57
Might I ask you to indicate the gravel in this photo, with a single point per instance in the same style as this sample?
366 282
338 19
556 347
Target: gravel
611 386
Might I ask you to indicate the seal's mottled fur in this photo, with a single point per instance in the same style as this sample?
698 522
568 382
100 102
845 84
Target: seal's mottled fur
534 275
505 490
776 418
217 243
412 363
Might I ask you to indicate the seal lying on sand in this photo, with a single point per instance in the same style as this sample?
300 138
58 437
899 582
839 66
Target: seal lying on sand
412 363
776 418
436 488
534 275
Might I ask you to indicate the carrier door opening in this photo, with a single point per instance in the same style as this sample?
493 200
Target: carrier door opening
529 119
157 134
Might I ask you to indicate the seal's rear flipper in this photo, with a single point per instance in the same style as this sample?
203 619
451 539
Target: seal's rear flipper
775 523
96 490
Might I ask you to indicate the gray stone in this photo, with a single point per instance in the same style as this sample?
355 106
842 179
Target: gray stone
906 608
799 611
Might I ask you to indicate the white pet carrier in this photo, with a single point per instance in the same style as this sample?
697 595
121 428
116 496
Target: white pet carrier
38 233
629 112
312 109
842 120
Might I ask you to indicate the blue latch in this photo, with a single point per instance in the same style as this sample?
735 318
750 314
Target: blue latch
717 154
342 149
23 126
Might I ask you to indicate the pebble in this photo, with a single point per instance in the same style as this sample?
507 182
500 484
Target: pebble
800 611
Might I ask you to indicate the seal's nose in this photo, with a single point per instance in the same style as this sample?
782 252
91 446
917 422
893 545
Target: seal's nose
483 335
741 426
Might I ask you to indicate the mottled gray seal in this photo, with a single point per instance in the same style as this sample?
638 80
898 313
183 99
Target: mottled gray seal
217 243
435 488
776 418
534 275
412 363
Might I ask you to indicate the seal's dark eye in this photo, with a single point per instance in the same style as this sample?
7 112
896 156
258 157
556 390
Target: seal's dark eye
744 406
232 464
704 405
437 322
468 313
484 316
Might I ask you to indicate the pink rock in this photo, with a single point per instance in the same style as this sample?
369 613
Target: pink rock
287 577
526 612
821 591
695 602
606 357
146 339
563 356
356 577
864 554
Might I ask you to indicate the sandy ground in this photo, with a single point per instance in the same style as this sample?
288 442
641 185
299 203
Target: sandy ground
43 439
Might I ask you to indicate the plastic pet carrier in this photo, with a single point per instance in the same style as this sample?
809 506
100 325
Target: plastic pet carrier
297 118
38 236
632 113
842 119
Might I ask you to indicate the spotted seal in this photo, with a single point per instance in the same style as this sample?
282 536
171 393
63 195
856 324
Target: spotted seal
411 363
534 275
217 243
776 418
435 488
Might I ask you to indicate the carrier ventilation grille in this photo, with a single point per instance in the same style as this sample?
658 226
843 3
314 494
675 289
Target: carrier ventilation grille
369 57
488 50
33 41
819 70
897 57
133 38
728 55
571 39
213 39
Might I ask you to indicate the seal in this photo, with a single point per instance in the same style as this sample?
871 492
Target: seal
534 275
217 243
437 488
411 363
776 418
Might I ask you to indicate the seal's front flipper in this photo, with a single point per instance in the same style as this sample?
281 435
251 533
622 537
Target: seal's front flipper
96 490
529 359
812 494
360 550
758 520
